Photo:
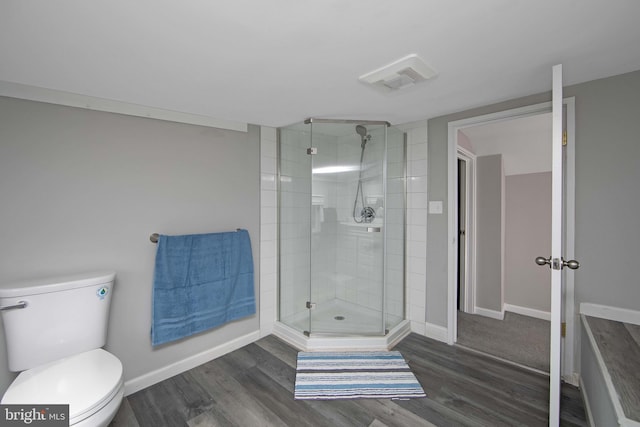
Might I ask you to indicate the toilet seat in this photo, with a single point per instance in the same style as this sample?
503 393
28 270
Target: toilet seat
87 382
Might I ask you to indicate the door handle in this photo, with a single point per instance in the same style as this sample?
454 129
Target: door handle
572 264
542 261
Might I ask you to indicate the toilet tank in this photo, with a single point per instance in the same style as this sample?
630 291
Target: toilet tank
61 317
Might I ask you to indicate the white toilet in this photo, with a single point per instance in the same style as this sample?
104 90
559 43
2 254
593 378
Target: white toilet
54 330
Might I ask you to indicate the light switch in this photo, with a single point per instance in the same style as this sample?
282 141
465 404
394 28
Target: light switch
435 207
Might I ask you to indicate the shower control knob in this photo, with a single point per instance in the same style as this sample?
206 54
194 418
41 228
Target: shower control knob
368 214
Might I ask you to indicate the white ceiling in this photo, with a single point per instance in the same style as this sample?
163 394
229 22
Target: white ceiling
278 62
525 143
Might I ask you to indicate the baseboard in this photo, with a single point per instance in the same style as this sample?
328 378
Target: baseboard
526 311
436 332
418 327
489 313
290 336
154 377
573 379
398 333
587 406
617 314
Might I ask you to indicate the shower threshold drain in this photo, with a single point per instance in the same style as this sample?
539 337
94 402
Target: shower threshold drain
339 318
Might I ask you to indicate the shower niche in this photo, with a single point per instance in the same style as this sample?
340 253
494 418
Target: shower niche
341 234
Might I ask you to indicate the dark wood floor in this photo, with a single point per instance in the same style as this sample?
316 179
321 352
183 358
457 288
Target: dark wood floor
520 339
253 386
619 345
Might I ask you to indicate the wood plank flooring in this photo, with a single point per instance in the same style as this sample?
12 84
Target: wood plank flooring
619 345
518 338
253 386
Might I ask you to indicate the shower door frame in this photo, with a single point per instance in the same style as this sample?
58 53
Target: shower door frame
310 304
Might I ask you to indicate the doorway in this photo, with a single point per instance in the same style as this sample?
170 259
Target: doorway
509 316
465 272
501 300
462 230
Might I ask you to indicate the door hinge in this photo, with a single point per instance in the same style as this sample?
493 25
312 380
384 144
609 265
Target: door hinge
564 138
563 329
311 305
312 150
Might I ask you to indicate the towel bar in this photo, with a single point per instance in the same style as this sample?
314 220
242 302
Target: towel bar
155 236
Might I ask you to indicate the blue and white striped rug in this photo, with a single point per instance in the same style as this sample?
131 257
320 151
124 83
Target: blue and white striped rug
354 375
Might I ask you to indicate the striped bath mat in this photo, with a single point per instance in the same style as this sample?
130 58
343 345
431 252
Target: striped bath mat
353 375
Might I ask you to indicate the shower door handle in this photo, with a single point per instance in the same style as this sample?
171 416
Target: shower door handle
374 229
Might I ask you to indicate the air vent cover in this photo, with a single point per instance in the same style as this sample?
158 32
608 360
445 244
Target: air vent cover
402 73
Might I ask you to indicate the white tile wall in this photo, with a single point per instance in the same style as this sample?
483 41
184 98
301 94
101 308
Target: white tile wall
416 227
268 231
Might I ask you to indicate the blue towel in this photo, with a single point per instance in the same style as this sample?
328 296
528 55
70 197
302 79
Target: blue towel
201 281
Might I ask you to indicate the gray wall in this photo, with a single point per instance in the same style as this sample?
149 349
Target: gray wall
607 192
82 190
527 236
489 233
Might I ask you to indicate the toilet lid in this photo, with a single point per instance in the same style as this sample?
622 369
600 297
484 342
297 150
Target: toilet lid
85 381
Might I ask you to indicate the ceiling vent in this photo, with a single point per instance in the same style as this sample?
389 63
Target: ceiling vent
402 73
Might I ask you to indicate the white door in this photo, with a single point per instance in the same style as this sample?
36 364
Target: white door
553 260
556 261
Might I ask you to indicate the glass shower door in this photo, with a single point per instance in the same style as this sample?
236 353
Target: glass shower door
347 228
294 188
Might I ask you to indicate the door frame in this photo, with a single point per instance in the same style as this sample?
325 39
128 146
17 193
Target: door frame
569 342
468 301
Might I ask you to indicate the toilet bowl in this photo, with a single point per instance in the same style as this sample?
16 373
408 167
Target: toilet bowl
65 364
91 383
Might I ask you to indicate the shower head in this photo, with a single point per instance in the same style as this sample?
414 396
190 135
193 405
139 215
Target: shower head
362 131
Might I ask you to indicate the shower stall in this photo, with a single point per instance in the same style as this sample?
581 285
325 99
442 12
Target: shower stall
341 234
